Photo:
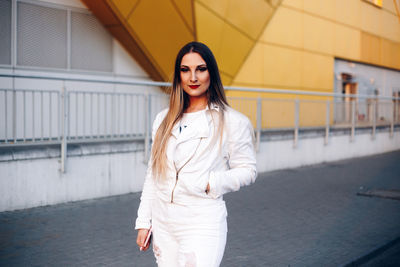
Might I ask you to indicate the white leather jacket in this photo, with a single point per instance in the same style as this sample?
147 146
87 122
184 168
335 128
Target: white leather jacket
196 158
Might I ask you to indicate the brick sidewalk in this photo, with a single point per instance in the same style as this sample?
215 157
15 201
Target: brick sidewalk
309 216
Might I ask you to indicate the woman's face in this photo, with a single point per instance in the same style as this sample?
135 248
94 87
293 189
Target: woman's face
195 78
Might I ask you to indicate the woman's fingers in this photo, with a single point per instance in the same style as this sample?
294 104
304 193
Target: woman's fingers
141 237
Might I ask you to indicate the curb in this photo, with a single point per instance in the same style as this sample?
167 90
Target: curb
372 254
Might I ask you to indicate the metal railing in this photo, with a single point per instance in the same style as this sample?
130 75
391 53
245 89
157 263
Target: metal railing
34 117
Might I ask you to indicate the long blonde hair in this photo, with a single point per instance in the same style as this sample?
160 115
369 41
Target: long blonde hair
179 101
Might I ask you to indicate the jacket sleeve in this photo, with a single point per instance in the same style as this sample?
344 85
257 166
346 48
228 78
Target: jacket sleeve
242 160
143 220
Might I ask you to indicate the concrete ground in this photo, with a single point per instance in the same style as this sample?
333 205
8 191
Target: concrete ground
310 216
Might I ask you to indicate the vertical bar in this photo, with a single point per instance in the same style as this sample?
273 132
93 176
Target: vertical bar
327 122
396 110
84 114
91 115
125 115
98 114
296 122
68 39
112 114
14 116
41 116
131 112
392 120
374 119
64 118
58 116
24 113
137 114
33 116
353 120
118 117
146 127
50 115
6 116
105 114
259 118
76 114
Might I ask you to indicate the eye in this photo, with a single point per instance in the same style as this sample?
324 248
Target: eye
184 69
202 68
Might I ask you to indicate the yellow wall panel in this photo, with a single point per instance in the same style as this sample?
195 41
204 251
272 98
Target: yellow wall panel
348 12
282 66
318 34
226 79
325 8
234 49
370 48
390 27
347 42
229 46
124 6
285 27
161 31
312 113
294 3
209 28
250 16
389 5
371 18
317 71
252 70
390 53
220 7
186 10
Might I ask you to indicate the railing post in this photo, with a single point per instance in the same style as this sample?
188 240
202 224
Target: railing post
14 115
147 131
64 123
392 120
296 122
373 119
353 120
259 118
327 123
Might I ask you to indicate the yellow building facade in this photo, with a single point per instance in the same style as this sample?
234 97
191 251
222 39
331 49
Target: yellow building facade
282 44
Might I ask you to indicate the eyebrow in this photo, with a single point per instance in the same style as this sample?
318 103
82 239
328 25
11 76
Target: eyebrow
196 66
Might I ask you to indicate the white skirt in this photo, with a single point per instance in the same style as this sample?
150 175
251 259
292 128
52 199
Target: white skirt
192 235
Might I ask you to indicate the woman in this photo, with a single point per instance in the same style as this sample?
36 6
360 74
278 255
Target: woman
202 149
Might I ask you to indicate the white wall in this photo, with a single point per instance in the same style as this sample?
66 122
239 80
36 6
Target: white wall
37 182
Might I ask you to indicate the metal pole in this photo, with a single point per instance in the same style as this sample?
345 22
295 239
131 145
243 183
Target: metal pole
6 117
50 116
392 120
259 118
327 122
353 120
14 116
64 119
374 119
41 116
296 122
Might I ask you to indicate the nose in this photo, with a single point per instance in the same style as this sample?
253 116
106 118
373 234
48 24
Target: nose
193 77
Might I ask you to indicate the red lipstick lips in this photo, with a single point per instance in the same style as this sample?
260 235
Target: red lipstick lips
194 86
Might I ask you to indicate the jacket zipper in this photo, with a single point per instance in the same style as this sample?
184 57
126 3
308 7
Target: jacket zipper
173 189
177 172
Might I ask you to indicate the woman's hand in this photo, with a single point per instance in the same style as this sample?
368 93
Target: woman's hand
141 237
208 188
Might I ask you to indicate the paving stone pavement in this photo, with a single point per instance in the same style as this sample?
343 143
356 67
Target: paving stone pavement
309 216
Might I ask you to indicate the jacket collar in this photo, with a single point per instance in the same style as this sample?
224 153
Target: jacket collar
199 129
